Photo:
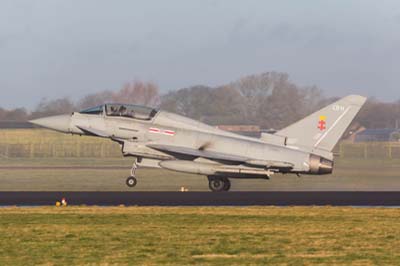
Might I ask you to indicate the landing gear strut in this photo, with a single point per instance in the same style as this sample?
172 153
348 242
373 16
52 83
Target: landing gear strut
132 181
218 184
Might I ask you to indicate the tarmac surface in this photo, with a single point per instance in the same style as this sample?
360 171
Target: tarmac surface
322 198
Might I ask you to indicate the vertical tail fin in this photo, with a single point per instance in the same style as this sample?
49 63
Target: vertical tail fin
324 128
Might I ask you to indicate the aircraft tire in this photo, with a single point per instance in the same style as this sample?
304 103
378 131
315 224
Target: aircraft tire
217 184
131 181
227 185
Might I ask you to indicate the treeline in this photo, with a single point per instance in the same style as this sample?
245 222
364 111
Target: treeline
269 100
135 93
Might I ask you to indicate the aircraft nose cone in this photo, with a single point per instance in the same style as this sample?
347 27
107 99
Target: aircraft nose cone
58 122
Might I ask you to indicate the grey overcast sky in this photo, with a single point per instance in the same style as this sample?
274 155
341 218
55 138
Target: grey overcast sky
54 48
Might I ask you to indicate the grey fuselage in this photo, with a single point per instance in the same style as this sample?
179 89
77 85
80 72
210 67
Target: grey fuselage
136 135
162 139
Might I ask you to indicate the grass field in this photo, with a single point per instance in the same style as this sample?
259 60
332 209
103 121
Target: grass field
199 235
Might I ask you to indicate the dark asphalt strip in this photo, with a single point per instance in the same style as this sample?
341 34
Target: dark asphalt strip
323 198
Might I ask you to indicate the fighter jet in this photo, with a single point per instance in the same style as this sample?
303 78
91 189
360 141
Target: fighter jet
155 138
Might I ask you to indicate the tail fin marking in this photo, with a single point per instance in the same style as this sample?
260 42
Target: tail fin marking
324 128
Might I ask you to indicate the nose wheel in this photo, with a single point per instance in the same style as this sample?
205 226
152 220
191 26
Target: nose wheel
131 181
219 184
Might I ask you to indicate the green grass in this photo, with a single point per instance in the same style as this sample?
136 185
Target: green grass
199 235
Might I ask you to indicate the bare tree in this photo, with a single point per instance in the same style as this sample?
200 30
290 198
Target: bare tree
192 102
376 114
53 107
138 92
268 100
18 114
95 99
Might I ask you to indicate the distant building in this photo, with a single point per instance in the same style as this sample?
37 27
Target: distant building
383 134
246 130
352 132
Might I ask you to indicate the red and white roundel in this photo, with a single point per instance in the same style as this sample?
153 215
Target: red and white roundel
154 130
162 131
169 132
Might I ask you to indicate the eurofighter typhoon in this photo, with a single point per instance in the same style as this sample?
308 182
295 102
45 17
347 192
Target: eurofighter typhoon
155 138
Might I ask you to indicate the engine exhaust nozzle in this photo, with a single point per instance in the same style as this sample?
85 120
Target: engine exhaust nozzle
320 165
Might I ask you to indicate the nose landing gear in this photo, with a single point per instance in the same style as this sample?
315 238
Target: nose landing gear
132 181
219 184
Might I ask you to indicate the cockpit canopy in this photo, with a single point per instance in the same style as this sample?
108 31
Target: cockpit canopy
98 110
122 110
131 111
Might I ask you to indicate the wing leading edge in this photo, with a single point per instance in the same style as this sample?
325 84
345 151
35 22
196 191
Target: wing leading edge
217 156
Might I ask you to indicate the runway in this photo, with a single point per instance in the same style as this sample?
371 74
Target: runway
322 198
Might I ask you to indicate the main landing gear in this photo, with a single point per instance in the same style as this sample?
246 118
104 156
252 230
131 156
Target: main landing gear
132 181
219 184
